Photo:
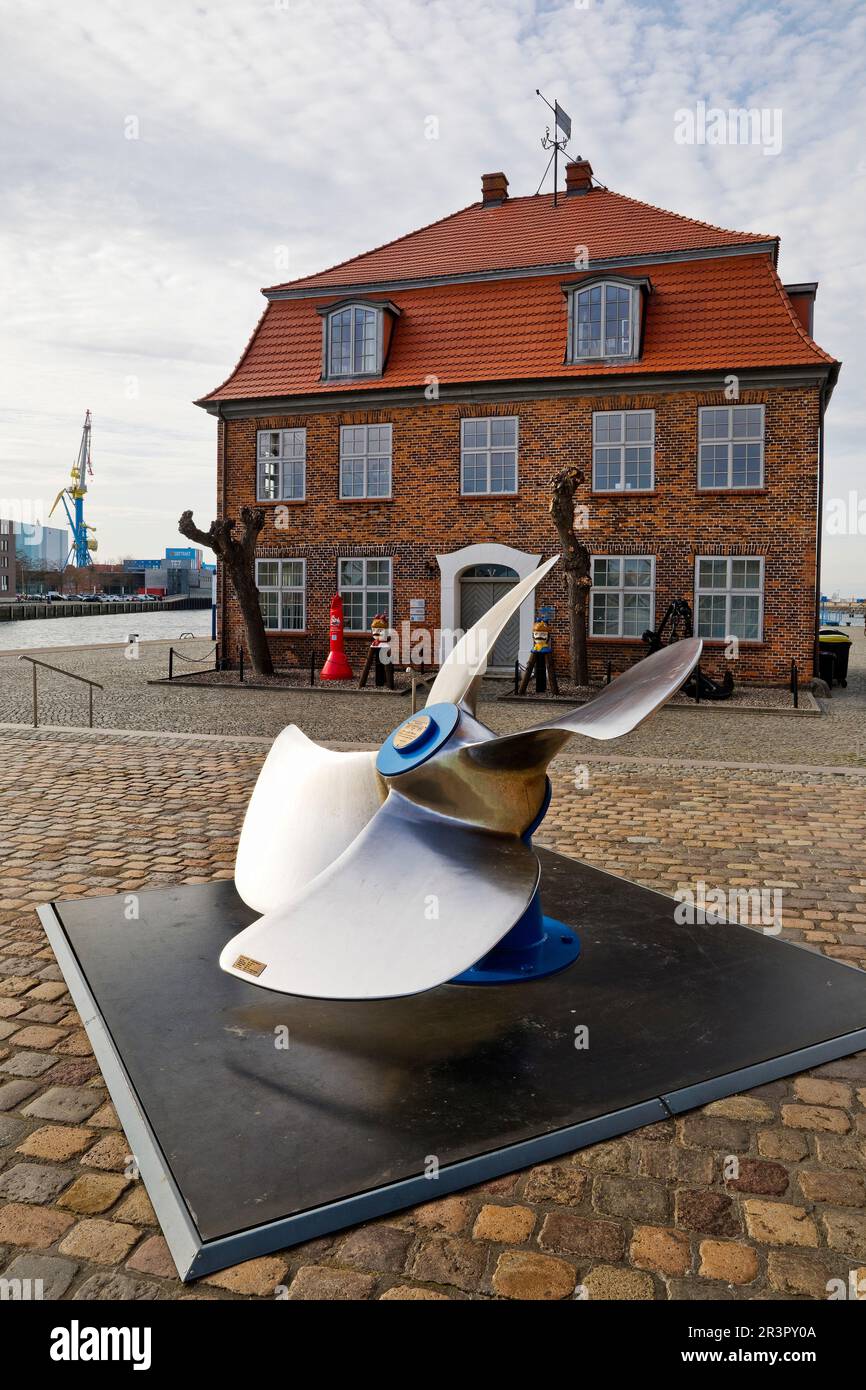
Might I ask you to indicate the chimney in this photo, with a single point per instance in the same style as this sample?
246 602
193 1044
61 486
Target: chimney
494 189
578 176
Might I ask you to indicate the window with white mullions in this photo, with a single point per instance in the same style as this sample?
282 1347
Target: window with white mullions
623 595
282 586
604 321
354 337
731 446
365 588
488 455
365 461
729 597
623 450
281 465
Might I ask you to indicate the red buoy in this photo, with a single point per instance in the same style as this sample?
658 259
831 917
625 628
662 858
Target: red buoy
337 667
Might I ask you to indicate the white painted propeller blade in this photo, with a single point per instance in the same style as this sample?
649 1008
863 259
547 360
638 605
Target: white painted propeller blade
308 805
416 899
469 657
616 710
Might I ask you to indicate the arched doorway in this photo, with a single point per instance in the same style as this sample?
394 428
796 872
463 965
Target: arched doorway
480 587
454 564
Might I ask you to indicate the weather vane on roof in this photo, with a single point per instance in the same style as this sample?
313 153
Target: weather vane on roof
554 142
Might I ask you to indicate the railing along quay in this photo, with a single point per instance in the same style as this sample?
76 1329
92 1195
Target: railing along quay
92 685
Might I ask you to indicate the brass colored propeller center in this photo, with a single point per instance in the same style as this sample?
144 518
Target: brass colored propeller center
412 731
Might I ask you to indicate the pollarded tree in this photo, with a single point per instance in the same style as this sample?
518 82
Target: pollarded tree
577 563
238 556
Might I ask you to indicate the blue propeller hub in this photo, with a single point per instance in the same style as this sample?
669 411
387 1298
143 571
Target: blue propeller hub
536 945
417 739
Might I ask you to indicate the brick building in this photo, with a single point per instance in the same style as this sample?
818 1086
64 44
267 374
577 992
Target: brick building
400 417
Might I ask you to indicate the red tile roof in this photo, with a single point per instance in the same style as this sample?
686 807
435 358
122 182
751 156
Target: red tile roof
524 232
722 314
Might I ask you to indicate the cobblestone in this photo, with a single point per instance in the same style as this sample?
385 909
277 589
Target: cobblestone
650 1215
32 1182
50 1274
103 1242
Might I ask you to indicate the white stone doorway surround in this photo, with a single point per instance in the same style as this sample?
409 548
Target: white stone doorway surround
453 565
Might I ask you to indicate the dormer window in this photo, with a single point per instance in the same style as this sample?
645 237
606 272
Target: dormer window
356 338
353 341
604 319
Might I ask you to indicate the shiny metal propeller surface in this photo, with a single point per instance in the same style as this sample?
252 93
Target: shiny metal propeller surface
499 781
619 707
308 805
365 897
413 901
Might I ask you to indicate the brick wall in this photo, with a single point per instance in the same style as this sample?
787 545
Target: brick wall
427 515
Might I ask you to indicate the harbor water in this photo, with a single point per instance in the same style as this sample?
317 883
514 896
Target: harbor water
104 628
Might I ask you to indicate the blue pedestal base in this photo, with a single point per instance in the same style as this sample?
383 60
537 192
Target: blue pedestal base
535 946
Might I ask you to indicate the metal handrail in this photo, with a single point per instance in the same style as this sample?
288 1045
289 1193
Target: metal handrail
34 662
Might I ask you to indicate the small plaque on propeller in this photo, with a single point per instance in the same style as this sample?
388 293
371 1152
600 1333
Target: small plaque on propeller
412 731
249 966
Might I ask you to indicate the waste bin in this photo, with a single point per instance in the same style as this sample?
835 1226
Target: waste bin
833 640
826 664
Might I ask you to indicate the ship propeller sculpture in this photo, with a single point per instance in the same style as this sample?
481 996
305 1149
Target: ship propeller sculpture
384 874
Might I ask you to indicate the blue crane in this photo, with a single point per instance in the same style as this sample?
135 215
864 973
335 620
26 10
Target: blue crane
80 552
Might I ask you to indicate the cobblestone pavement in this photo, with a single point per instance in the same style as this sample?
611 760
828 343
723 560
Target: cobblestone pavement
129 702
649 1216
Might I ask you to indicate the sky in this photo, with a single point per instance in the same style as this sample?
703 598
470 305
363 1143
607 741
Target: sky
162 162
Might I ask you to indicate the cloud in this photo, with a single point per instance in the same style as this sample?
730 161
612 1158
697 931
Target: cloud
131 266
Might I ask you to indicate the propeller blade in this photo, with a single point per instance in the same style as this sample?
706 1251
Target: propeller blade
468 660
416 899
308 805
616 710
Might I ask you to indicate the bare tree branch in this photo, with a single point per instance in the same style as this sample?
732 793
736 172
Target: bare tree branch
238 556
187 528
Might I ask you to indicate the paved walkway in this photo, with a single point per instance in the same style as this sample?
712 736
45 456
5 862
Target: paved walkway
648 1216
129 702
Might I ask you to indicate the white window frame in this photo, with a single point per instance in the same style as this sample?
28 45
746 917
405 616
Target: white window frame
574 297
281 588
353 370
622 589
622 445
364 587
730 440
4 583
487 450
281 458
729 593
366 455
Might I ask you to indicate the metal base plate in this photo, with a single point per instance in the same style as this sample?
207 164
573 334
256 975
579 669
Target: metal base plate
260 1120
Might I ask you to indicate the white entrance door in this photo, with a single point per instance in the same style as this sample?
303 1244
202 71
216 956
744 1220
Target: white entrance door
480 587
